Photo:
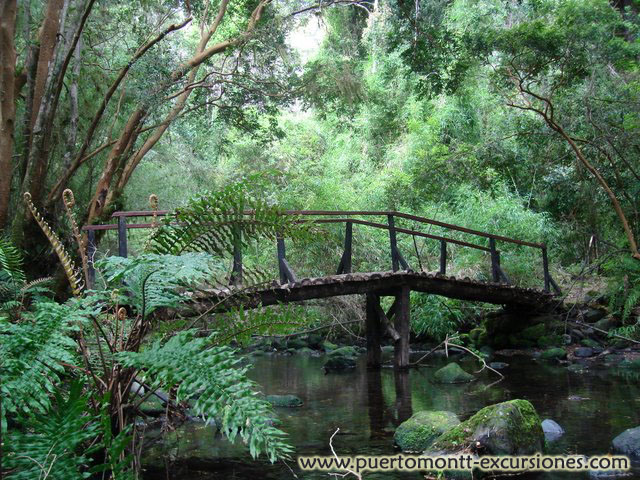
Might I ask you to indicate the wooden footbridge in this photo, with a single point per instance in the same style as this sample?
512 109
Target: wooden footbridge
397 282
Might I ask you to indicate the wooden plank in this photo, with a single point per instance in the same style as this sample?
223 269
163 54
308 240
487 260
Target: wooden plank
373 332
402 230
401 347
362 284
385 320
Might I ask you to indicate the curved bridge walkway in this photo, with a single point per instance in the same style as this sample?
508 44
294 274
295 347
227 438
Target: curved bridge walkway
397 283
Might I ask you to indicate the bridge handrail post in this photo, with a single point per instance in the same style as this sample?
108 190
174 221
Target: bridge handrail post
443 257
345 261
281 258
91 251
545 267
394 243
122 236
236 272
495 260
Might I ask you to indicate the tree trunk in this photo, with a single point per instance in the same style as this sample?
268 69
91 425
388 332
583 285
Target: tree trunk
7 103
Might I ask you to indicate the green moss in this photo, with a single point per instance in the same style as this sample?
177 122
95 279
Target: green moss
534 332
419 432
506 428
554 354
344 352
328 346
284 400
588 342
547 341
452 373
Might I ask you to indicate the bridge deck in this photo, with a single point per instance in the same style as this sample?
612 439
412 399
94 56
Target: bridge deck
379 283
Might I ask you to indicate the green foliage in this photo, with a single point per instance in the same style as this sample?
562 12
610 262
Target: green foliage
143 282
53 445
209 378
624 287
10 263
33 355
435 317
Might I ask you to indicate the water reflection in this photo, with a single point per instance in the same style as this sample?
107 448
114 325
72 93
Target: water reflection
593 407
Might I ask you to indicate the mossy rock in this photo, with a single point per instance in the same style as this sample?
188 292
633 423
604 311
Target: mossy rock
588 342
284 400
328 346
315 341
554 354
419 432
344 352
296 343
606 323
277 343
508 428
476 333
632 364
305 351
339 363
534 332
452 373
547 341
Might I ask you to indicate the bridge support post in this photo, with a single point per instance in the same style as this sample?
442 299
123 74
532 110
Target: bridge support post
374 332
402 326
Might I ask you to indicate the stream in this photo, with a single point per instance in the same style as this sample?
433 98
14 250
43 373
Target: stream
593 406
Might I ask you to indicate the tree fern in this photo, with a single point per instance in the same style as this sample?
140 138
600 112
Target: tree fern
209 378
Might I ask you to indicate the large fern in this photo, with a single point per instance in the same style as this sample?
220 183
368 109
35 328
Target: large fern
33 355
53 446
209 378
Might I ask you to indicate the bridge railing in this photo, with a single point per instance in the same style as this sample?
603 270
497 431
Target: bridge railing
347 217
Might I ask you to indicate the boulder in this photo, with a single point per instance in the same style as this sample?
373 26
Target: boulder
547 341
606 323
593 315
418 433
583 352
344 352
284 400
508 428
588 342
296 343
628 443
452 373
534 332
327 346
315 341
339 363
306 351
498 365
554 354
552 431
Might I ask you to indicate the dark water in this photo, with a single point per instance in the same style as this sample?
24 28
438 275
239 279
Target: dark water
367 406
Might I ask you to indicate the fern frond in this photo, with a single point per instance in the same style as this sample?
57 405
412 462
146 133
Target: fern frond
53 445
209 378
11 261
69 267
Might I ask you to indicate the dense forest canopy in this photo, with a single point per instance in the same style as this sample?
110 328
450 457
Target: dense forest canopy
514 117
405 105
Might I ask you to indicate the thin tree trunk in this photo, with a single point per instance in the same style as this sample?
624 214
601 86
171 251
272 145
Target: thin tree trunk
7 103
